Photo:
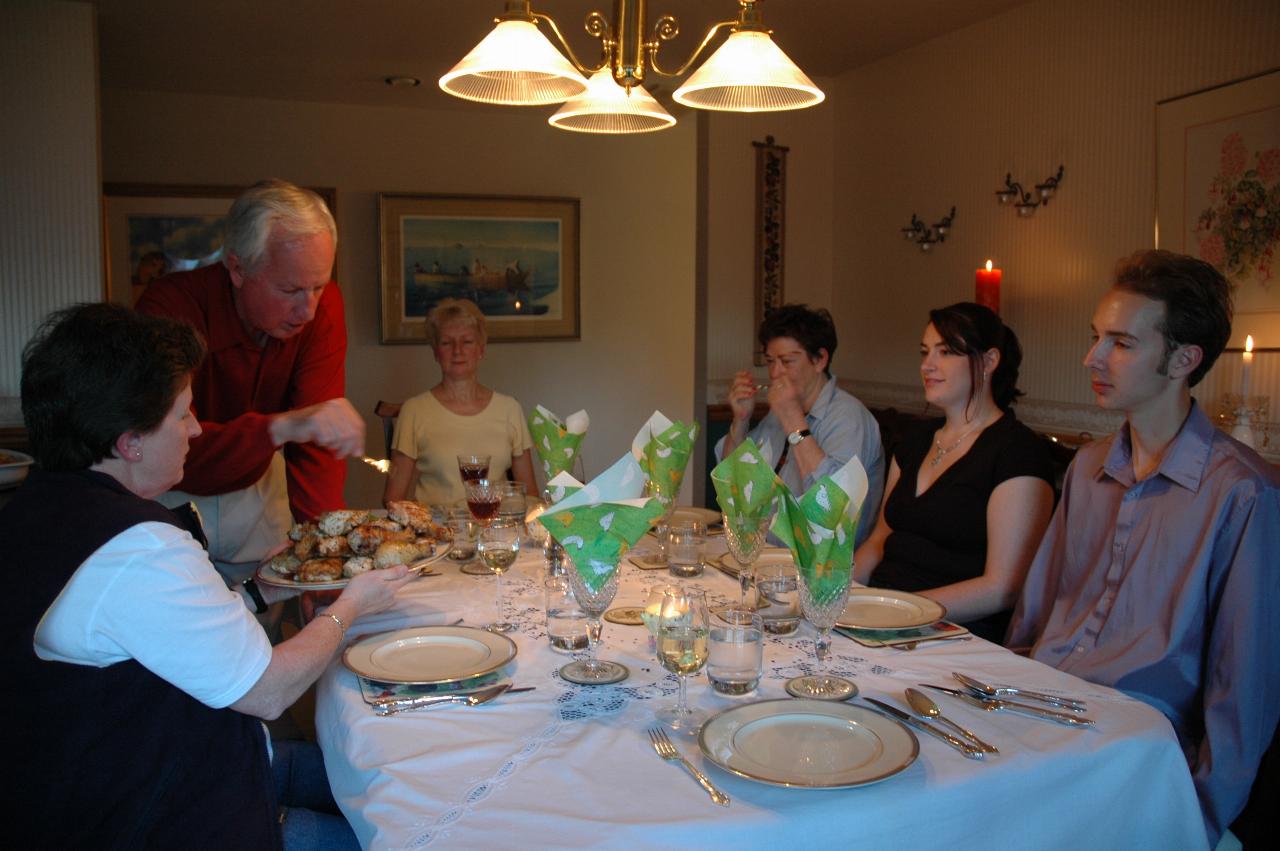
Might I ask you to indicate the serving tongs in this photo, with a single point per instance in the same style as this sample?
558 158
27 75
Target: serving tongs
991 704
998 692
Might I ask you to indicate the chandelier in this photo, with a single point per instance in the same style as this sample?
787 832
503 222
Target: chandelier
517 65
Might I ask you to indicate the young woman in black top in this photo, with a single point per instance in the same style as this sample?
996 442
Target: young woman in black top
968 496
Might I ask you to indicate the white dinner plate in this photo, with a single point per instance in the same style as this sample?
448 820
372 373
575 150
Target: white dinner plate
688 514
422 655
884 608
768 555
267 576
809 744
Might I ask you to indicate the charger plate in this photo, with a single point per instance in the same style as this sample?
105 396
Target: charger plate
885 608
809 744
769 555
423 655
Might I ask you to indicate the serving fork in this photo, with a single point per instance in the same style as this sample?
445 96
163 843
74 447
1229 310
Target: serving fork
662 745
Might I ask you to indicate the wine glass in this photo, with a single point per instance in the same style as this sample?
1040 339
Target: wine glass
652 611
591 670
666 497
498 547
684 629
745 538
483 498
822 607
473 467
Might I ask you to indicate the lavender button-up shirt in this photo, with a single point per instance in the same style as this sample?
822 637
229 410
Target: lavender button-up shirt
1168 589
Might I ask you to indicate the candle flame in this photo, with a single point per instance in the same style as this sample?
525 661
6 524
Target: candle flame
383 466
988 265
1248 343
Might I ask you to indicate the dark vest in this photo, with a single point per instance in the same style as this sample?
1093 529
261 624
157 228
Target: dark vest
111 757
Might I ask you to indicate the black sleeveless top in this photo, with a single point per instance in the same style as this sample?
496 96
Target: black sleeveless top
112 757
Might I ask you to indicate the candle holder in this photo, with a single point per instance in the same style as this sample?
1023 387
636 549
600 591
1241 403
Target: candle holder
923 235
1027 203
1245 419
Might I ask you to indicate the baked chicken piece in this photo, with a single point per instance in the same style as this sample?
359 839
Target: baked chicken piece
357 565
415 515
340 522
306 546
391 553
300 530
364 540
333 547
285 564
319 570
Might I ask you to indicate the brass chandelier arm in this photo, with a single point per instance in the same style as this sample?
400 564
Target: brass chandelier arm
587 70
707 39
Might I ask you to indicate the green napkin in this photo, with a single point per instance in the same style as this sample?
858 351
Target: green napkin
745 486
663 448
819 529
558 443
599 523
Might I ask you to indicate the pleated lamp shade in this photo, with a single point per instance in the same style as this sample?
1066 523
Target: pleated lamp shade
749 73
514 65
608 108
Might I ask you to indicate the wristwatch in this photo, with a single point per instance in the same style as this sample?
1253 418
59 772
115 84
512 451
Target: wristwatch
798 435
251 588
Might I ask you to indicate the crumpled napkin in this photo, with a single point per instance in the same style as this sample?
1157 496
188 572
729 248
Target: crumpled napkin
558 443
663 448
745 486
600 521
819 529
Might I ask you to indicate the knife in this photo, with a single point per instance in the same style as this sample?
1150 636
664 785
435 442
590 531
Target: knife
997 705
390 707
911 721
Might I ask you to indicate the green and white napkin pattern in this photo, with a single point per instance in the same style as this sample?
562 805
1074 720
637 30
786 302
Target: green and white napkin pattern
599 522
663 448
745 486
819 529
558 443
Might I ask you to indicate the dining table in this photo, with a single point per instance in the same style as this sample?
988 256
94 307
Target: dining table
572 766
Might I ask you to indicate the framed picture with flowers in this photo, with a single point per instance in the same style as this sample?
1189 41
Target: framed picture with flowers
1218 193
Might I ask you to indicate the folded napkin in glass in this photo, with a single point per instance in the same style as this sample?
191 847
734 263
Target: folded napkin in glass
892 637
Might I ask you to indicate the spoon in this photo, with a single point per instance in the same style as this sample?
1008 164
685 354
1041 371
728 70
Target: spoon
997 691
925 706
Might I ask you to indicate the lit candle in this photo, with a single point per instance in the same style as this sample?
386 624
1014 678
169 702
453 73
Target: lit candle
1245 369
987 287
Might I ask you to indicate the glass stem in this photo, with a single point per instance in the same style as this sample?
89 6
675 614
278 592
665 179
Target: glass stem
744 580
822 647
593 638
681 708
497 602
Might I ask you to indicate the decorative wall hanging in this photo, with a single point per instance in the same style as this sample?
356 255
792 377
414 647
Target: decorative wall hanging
925 236
516 258
1027 203
1218 193
771 221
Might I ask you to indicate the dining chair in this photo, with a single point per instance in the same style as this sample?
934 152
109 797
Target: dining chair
388 411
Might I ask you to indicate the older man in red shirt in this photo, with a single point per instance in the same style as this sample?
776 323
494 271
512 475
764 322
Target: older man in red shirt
274 377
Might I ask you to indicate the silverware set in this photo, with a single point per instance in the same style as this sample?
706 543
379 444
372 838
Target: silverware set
475 698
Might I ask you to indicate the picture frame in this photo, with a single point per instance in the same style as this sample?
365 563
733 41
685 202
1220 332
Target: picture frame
1217 164
184 223
517 257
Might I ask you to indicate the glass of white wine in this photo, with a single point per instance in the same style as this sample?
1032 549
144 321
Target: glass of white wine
684 629
499 545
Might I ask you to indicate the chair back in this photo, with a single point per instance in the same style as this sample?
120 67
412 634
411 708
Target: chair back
388 411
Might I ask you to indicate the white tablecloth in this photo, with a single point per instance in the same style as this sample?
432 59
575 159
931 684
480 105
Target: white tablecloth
569 766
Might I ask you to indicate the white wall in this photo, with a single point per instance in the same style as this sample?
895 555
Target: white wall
1043 84
638 210
50 244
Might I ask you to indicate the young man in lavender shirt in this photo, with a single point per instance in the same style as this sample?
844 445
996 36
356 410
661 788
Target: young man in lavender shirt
1159 574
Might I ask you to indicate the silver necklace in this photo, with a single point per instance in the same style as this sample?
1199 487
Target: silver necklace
942 451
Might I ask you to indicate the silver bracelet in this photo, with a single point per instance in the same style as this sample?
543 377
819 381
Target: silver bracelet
342 626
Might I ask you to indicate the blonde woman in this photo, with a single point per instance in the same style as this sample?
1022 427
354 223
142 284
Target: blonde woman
458 416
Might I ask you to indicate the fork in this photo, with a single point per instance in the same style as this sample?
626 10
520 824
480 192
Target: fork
668 751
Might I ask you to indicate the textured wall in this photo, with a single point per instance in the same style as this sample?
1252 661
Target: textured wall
50 246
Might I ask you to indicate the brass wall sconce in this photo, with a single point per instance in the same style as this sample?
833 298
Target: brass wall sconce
1027 203
925 236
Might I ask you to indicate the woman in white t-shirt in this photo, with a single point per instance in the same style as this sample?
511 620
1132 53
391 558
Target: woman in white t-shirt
458 416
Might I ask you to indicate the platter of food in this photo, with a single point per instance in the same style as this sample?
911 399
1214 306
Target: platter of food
324 555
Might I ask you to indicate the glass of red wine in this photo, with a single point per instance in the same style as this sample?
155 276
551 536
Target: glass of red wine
483 498
472 467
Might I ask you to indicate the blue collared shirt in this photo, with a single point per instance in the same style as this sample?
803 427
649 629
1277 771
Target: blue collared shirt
843 428
1168 588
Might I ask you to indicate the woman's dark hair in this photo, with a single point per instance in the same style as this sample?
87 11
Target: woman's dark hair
971 330
1197 302
812 329
95 371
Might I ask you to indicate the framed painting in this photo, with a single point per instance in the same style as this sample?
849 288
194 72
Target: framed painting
516 258
151 229
1218 193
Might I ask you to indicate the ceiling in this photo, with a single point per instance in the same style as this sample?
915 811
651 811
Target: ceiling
342 50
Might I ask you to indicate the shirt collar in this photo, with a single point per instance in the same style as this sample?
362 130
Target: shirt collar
825 395
225 328
1183 462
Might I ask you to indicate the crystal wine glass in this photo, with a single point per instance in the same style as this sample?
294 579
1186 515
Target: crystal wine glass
594 603
745 538
483 498
499 545
666 497
822 606
473 467
684 630
653 610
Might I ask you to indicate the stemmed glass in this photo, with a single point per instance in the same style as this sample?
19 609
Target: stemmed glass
594 603
473 467
822 608
483 498
666 497
746 540
498 547
684 629
653 610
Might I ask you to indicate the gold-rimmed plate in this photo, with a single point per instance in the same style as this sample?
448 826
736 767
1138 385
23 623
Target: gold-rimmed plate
267 576
885 608
424 655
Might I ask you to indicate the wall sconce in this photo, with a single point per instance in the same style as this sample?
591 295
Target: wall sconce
925 236
1027 204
